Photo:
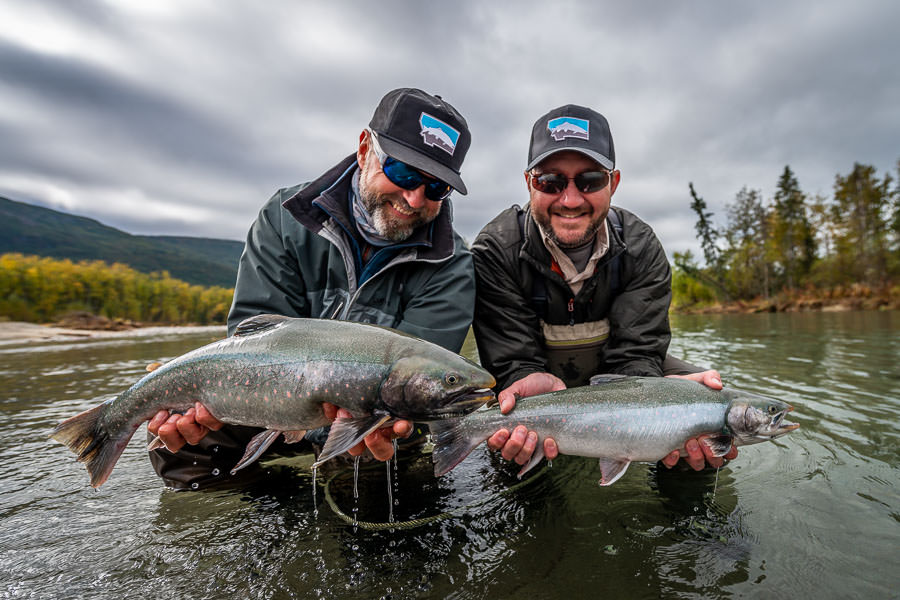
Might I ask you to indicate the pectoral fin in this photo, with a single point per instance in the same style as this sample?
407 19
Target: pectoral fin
258 444
719 444
156 443
612 469
346 433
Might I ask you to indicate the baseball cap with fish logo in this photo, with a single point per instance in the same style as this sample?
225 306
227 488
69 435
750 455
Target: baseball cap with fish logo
423 131
572 127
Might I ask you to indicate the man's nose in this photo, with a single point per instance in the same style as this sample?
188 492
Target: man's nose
415 198
571 195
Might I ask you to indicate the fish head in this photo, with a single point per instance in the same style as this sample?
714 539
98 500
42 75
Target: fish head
426 389
753 418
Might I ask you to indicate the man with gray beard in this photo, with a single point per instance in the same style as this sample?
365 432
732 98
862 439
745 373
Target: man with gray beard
371 240
570 287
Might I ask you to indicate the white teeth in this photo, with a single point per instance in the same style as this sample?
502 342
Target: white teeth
403 211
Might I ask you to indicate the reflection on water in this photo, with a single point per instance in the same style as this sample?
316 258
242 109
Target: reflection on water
814 513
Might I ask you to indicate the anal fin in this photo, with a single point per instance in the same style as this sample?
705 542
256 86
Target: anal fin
536 457
612 469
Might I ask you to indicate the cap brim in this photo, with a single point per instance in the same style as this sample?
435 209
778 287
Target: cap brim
596 156
422 162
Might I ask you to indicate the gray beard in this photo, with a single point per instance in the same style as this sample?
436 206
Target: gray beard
382 221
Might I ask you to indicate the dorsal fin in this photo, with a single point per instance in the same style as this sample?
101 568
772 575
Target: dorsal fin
607 378
252 325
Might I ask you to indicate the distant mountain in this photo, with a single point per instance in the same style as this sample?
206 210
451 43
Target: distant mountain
36 230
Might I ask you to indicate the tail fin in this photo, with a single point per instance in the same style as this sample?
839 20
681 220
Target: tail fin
451 445
85 435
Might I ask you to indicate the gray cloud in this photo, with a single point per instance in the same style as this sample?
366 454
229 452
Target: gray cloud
182 118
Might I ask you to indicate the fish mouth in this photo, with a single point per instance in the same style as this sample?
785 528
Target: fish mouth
779 426
463 403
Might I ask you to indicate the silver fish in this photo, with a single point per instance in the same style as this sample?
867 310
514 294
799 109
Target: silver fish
621 419
275 373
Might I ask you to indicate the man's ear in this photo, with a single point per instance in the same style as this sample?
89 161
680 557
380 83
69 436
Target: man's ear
362 151
615 177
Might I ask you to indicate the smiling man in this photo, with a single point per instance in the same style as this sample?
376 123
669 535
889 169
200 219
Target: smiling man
569 287
370 240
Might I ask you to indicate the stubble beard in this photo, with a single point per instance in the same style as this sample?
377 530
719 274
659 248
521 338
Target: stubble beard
593 227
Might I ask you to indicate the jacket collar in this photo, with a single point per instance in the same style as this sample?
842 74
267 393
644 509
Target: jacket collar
327 197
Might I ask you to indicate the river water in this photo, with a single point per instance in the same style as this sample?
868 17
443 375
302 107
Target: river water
812 515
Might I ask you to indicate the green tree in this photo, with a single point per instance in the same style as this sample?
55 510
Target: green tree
861 211
747 236
706 233
794 240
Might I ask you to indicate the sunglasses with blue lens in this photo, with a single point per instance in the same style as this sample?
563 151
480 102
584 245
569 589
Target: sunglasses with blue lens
408 177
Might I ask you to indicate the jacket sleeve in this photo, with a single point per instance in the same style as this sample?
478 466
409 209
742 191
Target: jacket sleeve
268 279
507 328
639 316
440 310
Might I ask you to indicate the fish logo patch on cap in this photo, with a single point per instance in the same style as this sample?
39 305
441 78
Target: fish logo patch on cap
568 127
437 133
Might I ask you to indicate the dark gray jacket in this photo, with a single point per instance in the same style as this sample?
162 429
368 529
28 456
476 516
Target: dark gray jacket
509 329
303 259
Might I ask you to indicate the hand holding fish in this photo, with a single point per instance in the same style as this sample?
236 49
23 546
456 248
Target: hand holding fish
380 441
699 454
175 429
519 445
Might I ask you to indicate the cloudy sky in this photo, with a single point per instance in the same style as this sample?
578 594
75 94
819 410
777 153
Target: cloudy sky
182 117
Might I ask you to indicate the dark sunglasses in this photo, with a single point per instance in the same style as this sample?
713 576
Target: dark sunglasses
408 177
554 183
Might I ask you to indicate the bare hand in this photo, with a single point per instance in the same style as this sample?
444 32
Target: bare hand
175 430
520 445
710 379
699 455
379 442
531 385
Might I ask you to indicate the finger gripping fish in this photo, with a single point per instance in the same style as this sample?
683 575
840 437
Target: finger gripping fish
275 373
621 419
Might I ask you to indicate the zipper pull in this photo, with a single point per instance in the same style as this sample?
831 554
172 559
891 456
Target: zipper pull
571 311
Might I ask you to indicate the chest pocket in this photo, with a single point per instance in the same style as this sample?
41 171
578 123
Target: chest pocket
575 352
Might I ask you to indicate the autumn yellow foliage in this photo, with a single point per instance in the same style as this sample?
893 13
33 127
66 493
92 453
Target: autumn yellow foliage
40 289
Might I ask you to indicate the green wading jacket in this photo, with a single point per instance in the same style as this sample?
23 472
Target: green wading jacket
303 259
571 335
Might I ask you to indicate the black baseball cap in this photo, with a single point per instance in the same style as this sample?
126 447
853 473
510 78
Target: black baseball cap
572 127
423 131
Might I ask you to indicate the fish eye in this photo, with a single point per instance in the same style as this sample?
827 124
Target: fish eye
772 409
451 379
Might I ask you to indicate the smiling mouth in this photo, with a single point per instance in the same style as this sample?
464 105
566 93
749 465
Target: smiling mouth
402 211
